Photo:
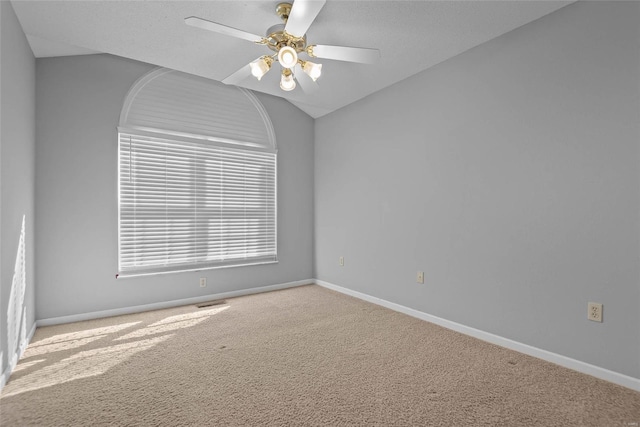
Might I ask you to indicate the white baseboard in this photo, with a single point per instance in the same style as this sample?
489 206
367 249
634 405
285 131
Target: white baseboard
14 359
166 304
558 359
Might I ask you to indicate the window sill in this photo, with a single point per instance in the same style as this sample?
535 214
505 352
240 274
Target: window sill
133 274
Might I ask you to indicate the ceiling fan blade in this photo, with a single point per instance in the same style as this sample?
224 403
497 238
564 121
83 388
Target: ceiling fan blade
221 29
302 14
343 53
238 76
306 83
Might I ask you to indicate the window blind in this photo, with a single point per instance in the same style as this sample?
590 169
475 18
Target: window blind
194 204
181 103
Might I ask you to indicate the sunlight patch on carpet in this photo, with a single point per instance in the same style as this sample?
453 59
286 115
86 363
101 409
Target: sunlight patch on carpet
24 365
85 364
173 323
72 339
61 346
194 315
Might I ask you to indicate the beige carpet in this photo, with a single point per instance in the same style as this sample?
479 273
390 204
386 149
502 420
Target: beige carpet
302 356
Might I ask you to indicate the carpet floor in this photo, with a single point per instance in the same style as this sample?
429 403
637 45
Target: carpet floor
301 356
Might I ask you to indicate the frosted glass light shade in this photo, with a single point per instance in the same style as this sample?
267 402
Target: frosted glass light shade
287 82
260 66
288 57
313 70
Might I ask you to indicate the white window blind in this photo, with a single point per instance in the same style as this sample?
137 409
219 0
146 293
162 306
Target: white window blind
194 204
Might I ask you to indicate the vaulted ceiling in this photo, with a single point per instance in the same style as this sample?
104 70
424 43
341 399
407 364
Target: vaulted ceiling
411 36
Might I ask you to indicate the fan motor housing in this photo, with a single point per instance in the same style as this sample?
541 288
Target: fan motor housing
278 38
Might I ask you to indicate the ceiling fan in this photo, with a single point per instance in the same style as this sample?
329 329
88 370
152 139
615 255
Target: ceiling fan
288 40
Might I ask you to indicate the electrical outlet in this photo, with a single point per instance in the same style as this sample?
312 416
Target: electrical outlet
594 311
420 277
341 261
203 282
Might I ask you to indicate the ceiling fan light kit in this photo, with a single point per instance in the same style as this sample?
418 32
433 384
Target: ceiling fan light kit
261 66
288 41
286 81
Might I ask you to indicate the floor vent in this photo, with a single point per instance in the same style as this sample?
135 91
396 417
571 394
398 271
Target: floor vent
211 303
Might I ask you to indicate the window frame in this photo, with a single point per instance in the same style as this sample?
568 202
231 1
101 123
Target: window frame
178 137
170 104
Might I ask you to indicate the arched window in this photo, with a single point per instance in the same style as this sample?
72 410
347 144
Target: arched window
197 176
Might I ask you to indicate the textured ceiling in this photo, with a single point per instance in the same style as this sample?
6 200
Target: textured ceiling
411 36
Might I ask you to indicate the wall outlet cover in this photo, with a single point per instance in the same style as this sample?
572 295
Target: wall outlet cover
594 311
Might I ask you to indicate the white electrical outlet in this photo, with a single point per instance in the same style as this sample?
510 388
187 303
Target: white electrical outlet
420 277
594 311
203 282
341 261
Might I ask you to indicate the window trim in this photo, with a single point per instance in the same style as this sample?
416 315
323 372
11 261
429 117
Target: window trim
195 97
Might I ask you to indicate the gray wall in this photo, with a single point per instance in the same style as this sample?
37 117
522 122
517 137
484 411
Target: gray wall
17 140
510 175
78 106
